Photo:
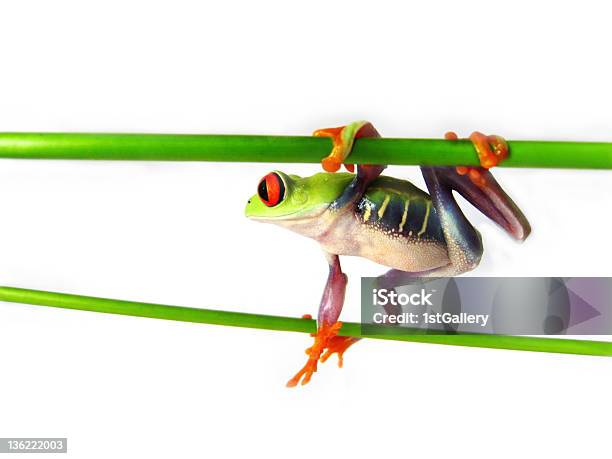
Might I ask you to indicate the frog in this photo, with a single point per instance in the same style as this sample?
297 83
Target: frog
387 220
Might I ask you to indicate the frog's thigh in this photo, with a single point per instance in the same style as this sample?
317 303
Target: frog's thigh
463 242
395 277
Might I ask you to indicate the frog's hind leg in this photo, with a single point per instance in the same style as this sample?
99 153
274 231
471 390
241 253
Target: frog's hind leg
489 197
479 187
463 241
395 277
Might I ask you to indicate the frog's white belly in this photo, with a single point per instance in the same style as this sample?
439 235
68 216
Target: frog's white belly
347 235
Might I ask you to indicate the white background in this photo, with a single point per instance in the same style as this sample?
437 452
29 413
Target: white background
175 233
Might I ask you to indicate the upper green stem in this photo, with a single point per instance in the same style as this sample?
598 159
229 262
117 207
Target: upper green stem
286 149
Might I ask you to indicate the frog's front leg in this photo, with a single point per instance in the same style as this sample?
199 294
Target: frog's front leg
342 142
342 139
326 338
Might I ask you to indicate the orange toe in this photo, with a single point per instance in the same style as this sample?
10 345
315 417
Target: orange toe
304 374
338 345
331 164
450 135
474 174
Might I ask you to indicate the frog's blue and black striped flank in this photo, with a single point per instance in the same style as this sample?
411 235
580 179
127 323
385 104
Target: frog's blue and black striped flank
399 208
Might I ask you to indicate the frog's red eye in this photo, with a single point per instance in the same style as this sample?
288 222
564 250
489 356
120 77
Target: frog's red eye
271 189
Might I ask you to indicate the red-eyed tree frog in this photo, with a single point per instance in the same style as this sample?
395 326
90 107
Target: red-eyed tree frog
384 219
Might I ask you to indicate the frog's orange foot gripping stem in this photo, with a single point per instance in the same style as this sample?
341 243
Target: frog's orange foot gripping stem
491 150
338 345
342 140
322 340
334 160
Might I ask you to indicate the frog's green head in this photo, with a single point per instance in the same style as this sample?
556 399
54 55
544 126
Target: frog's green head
284 198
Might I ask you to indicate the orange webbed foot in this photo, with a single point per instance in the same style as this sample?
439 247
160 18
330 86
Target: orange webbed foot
491 150
338 345
322 339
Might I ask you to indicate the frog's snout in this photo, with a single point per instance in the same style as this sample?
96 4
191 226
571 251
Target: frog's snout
249 209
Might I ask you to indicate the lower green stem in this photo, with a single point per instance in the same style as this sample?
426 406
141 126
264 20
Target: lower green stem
240 319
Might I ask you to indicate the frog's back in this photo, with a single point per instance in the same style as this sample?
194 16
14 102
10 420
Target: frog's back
400 209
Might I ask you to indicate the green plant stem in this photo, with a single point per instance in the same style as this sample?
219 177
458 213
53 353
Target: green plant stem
240 319
285 149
